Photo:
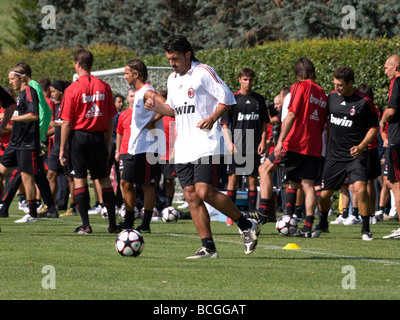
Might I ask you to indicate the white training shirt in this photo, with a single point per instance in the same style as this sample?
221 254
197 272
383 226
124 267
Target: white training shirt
194 97
143 140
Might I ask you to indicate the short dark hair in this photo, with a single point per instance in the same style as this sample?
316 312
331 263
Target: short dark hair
140 67
26 67
344 73
179 43
117 95
85 59
367 90
304 69
44 83
247 72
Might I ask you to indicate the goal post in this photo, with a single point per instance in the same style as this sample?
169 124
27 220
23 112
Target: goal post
157 77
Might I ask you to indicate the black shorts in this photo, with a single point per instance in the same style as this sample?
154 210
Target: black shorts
297 166
393 163
25 160
168 170
336 172
137 169
53 164
204 171
88 151
245 165
373 164
121 162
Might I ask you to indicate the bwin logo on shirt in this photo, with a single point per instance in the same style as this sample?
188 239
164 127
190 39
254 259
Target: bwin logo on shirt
94 112
251 116
341 121
185 109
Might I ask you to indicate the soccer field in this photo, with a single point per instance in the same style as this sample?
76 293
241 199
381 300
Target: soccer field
45 260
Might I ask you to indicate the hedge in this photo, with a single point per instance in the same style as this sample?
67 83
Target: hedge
272 62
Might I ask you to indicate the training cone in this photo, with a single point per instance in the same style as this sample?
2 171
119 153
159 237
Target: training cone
291 246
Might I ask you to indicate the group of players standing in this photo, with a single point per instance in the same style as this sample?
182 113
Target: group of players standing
323 141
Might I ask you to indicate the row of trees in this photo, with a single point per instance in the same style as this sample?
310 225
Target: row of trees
143 25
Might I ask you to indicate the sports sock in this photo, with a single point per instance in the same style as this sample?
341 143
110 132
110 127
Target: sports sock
208 243
345 213
356 212
109 203
129 219
323 219
32 208
308 223
365 224
252 198
290 201
148 214
243 223
264 206
82 203
231 195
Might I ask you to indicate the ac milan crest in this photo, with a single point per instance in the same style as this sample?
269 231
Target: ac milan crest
352 111
191 93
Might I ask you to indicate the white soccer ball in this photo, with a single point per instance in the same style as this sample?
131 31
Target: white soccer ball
129 243
122 212
258 227
286 225
170 214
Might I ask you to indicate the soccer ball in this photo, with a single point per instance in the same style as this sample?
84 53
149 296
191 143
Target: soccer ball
286 225
170 214
129 243
122 212
258 227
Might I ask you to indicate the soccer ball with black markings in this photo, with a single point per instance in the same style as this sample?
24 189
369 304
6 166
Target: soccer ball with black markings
129 243
286 225
170 214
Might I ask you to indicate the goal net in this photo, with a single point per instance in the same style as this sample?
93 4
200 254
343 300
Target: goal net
157 77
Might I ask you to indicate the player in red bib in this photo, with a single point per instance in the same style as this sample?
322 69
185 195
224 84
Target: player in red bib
87 112
299 147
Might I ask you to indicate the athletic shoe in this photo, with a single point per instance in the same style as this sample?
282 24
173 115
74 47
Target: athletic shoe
263 219
394 235
301 234
95 210
43 209
373 220
367 236
3 210
339 220
114 229
69 212
81 230
23 206
52 214
143 229
388 217
250 238
317 230
27 218
203 252
379 215
352 220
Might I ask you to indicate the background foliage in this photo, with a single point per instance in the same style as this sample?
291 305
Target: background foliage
272 62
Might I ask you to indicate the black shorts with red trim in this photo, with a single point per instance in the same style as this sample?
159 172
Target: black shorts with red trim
373 164
25 160
393 163
140 168
336 173
168 170
88 151
200 171
297 166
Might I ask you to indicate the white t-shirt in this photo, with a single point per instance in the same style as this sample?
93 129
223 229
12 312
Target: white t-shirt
194 97
143 140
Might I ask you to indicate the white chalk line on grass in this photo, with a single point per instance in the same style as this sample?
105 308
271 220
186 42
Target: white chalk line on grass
264 247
